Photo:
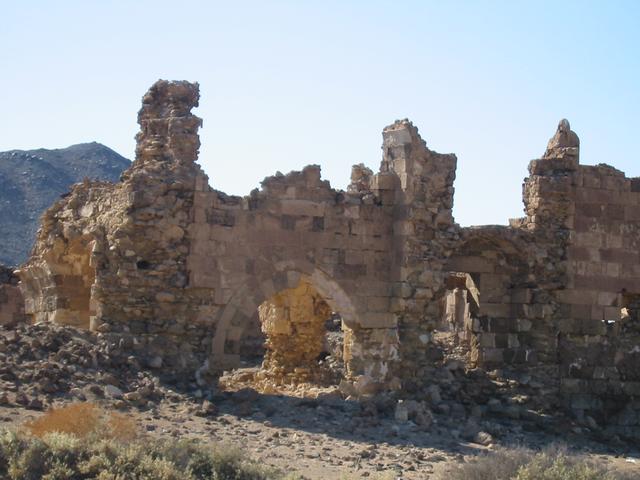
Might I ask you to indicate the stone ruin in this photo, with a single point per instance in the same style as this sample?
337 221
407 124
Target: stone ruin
194 276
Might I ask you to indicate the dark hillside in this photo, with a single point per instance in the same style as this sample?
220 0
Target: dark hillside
30 181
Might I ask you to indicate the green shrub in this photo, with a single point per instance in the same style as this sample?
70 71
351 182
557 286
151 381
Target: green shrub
560 466
64 456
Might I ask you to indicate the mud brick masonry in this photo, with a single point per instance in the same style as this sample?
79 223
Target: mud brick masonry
192 274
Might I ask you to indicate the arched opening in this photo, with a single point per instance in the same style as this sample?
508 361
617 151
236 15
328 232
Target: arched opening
294 322
66 278
303 343
454 334
75 281
496 269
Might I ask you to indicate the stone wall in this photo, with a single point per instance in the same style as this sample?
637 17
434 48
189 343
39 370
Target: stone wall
589 218
11 300
598 348
180 270
112 257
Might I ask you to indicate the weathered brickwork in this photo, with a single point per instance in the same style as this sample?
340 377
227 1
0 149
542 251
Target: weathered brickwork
193 275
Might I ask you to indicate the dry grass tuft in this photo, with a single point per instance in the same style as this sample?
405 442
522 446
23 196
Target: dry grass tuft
82 420
79 419
60 456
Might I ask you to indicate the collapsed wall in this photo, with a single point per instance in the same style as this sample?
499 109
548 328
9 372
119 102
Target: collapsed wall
192 274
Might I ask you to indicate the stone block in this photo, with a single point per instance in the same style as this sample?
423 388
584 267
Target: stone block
631 388
302 208
589 239
513 341
590 209
384 181
612 313
523 325
491 356
487 340
613 241
496 310
471 264
607 298
377 304
583 401
573 296
632 213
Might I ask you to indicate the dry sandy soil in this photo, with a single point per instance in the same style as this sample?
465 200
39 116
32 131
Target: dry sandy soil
336 441
327 437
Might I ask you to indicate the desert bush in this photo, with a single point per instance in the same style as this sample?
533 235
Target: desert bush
561 466
84 420
120 427
78 419
58 456
554 463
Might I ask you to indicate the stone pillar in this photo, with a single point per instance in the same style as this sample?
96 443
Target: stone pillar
423 227
549 198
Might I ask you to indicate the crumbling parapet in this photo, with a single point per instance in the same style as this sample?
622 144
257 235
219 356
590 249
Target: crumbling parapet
168 130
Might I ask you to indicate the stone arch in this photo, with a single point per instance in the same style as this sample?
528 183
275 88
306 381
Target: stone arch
243 304
68 275
490 256
497 262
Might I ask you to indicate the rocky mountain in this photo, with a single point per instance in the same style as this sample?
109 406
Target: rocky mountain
32 180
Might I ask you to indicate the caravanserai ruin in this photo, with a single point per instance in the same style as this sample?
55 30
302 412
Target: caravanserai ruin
191 277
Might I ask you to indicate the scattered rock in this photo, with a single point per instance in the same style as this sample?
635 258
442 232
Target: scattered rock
155 362
112 391
483 438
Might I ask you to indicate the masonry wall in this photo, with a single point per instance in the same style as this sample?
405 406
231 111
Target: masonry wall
112 257
164 257
598 347
248 249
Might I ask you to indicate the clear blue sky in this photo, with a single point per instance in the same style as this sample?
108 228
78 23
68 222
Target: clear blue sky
285 84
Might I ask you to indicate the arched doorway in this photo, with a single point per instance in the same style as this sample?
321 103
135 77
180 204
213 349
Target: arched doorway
460 305
294 322
495 263
67 279
303 328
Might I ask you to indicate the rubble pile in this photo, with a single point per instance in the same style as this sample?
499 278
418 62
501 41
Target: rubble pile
42 364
